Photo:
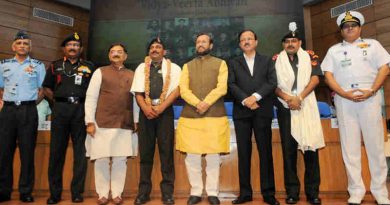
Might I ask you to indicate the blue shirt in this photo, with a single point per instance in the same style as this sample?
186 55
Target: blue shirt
21 81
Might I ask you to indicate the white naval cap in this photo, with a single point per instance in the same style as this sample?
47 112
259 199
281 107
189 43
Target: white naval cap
350 16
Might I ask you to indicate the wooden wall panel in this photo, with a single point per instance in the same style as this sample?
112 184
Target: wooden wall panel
383 25
46 35
381 9
15 9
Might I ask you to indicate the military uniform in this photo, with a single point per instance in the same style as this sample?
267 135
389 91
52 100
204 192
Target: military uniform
355 65
19 121
69 83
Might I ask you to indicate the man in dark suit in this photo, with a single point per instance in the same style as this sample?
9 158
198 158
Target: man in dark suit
252 81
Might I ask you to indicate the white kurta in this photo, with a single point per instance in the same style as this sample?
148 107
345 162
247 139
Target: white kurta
107 142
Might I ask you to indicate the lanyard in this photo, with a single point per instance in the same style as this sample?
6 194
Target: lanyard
69 74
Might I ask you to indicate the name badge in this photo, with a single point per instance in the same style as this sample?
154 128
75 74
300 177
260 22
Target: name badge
78 80
346 63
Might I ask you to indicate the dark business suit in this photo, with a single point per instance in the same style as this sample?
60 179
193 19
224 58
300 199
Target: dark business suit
241 85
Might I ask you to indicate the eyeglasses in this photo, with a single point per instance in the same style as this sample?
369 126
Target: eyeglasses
247 39
347 26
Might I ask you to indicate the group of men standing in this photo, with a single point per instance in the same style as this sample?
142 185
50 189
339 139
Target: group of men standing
102 109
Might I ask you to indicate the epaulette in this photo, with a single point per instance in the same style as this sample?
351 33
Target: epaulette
6 60
275 57
38 62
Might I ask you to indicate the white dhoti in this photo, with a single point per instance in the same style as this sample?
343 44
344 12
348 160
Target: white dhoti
365 117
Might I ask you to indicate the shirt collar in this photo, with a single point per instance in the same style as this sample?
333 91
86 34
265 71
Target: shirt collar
67 60
247 58
357 40
28 59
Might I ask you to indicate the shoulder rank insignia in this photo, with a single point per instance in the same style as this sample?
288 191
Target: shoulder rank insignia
5 61
38 62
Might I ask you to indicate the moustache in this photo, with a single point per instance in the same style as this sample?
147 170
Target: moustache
70 50
116 56
246 44
291 47
154 52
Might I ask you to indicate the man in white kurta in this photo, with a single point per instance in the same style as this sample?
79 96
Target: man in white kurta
356 69
111 116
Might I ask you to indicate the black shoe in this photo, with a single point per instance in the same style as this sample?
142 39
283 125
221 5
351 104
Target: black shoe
242 199
314 201
77 198
292 200
271 200
354 203
4 197
380 204
213 200
53 200
194 200
26 198
168 199
141 199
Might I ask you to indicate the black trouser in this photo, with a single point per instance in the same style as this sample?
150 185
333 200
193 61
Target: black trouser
67 121
162 129
18 125
290 153
263 135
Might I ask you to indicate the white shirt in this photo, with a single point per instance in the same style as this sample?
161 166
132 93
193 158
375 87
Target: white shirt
250 62
139 77
355 65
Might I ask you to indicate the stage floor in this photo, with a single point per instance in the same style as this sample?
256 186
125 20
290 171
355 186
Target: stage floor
327 200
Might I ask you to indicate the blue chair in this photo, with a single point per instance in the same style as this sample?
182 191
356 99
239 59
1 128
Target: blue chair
177 111
275 112
324 109
229 109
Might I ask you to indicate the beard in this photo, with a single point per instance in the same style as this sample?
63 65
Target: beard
203 53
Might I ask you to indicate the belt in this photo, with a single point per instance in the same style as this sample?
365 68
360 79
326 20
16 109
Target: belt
156 101
356 86
18 103
70 100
